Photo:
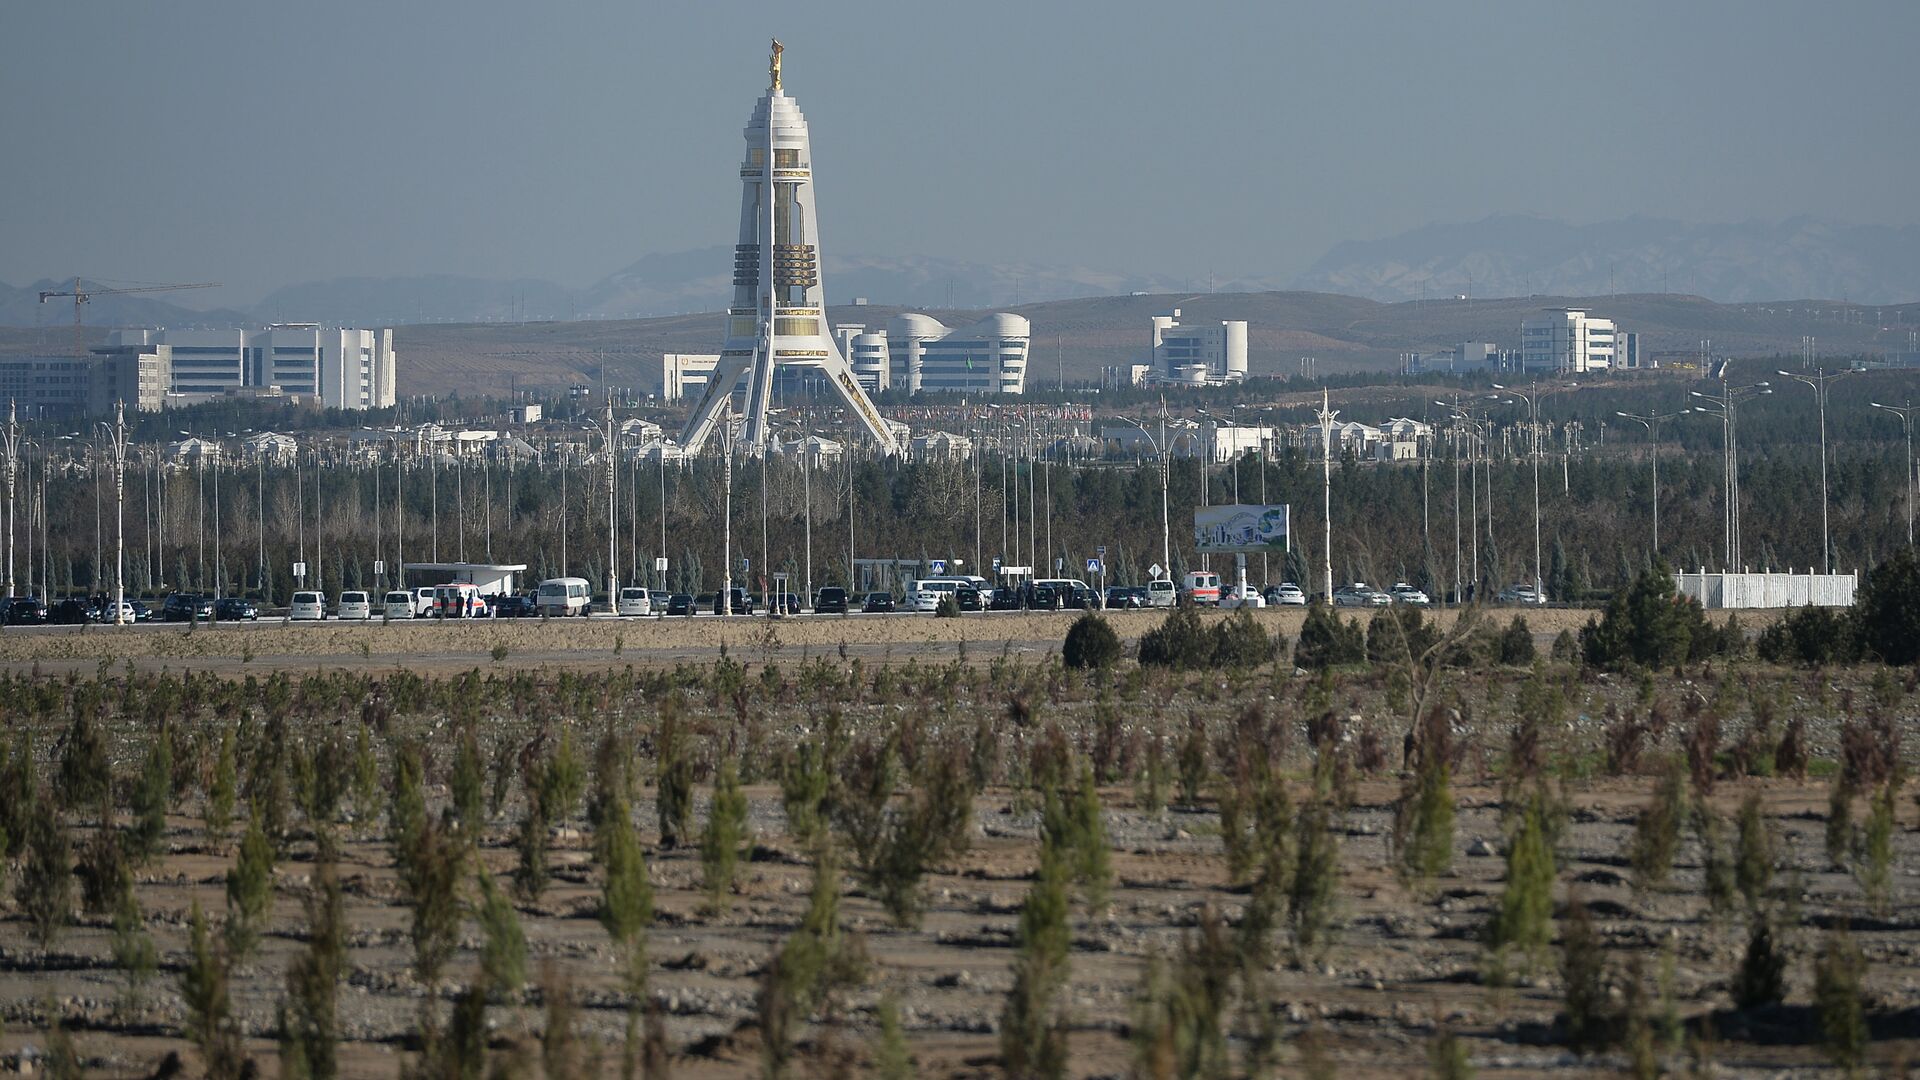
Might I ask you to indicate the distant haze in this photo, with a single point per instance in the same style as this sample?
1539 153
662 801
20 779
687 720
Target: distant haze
1154 145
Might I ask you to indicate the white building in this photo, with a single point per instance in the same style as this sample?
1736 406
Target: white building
1566 340
866 352
341 369
989 357
1217 443
685 374
941 446
1464 357
1199 355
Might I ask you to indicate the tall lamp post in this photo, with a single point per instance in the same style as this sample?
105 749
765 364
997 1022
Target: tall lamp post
11 440
1326 415
613 522
1160 451
1727 413
118 434
1652 424
1905 412
1819 383
1532 398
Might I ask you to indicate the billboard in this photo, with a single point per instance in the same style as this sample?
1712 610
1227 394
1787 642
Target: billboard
1240 527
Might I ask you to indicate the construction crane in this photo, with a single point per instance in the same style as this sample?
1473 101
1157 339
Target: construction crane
81 294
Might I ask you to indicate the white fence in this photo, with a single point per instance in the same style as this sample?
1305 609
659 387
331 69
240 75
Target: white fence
1768 590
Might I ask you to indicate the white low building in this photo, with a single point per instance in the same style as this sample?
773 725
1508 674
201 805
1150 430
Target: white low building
338 368
988 357
1567 341
1198 355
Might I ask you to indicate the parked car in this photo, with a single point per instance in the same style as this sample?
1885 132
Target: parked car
186 607
635 601
423 602
1126 597
968 597
1162 593
787 604
104 613
1360 594
1239 596
514 606
141 612
830 600
741 601
25 611
307 607
877 602
459 600
1201 587
236 608
680 604
565 596
1286 594
398 605
1522 594
658 598
68 612
353 604
1403 593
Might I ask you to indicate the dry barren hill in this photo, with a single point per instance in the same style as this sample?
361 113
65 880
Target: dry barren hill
1074 339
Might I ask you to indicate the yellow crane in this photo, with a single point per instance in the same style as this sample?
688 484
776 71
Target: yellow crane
82 293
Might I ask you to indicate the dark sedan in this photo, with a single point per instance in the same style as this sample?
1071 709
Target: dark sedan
514 607
969 599
680 604
24 611
741 602
832 600
877 602
186 607
236 608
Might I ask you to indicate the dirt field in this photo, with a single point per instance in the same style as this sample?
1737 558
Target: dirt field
1405 963
453 646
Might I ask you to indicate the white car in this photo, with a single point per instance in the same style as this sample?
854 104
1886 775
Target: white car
1286 594
1522 594
926 595
1161 593
423 602
635 601
307 606
1239 596
1403 593
354 604
1360 594
398 604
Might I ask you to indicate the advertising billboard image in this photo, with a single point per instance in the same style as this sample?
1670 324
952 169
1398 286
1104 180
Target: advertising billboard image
1241 527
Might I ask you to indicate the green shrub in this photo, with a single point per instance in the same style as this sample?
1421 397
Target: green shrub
1656 833
1422 838
1238 642
1838 976
45 889
309 1024
626 897
152 792
1325 641
203 989
1314 883
530 868
563 781
1091 643
134 952
85 772
104 871
1033 1031
1873 849
1753 866
1515 644
1762 977
249 891
804 782
503 945
891 1058
1447 1058
217 811
1589 1012
1180 642
673 777
1180 1007
468 783
1523 924
725 834
1398 635
1648 624
948 607
1888 609
1814 636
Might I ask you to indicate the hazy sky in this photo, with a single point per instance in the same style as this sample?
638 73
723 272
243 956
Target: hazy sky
266 143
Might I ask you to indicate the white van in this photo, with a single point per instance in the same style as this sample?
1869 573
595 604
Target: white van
354 604
926 594
1202 587
398 605
423 602
563 596
460 600
635 601
1161 593
307 606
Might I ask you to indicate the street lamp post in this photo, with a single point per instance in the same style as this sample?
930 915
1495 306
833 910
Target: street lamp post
1652 424
1160 451
1819 383
726 475
1907 475
11 440
1326 415
1532 398
118 434
1727 414
613 523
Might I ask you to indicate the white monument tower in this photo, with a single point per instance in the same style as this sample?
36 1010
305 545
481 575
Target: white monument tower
779 311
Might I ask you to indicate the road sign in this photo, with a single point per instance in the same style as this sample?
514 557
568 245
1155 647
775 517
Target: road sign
996 563
1093 566
1059 563
936 566
300 570
1101 551
660 565
1155 570
379 566
746 564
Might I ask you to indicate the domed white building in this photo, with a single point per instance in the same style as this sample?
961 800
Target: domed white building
988 357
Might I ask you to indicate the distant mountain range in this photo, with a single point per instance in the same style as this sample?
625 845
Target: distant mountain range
1527 256
1506 256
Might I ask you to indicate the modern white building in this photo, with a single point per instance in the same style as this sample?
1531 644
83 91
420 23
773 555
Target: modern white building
341 369
866 351
1567 340
988 357
686 374
1464 357
1199 355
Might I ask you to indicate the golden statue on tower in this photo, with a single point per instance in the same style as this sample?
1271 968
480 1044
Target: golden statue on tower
773 65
